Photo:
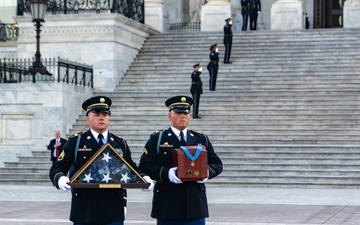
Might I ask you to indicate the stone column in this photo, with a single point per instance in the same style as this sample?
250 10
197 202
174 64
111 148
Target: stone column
156 15
352 14
287 15
213 15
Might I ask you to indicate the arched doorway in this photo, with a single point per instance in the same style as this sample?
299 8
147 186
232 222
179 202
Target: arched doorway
328 13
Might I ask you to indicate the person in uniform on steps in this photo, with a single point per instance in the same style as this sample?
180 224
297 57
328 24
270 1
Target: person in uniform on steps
196 89
228 37
213 66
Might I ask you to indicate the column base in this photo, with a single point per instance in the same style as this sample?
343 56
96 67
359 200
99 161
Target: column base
213 15
287 15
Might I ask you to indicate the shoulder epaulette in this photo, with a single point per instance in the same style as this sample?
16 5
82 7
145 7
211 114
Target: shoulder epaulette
117 136
78 134
195 131
158 131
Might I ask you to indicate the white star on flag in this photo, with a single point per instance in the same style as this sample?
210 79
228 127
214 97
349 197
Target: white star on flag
88 178
106 178
125 177
106 157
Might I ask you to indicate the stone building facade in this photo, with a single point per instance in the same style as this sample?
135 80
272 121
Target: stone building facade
275 14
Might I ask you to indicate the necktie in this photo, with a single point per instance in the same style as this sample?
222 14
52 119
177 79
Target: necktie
57 148
182 140
101 143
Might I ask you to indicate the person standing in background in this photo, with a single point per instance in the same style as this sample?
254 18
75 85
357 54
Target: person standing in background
213 66
55 146
228 37
245 10
196 89
255 9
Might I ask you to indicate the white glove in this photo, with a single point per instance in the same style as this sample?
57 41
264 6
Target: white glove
125 210
205 179
63 183
230 22
200 69
151 182
258 12
172 176
216 50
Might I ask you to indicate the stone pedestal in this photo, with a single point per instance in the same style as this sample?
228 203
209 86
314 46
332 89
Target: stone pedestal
352 14
156 15
109 42
213 15
31 113
287 15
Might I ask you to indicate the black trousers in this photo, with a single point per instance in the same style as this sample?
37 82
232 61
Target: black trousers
253 20
245 21
196 99
213 76
227 52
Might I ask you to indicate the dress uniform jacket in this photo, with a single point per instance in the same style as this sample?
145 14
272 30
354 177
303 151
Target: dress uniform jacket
196 83
228 34
245 7
255 6
185 201
214 61
91 205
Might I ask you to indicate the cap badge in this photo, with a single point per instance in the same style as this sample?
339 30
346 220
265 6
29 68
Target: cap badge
102 100
183 99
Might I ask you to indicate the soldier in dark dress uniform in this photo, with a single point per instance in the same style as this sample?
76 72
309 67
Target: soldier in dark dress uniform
255 8
213 66
176 201
245 10
90 205
196 89
228 36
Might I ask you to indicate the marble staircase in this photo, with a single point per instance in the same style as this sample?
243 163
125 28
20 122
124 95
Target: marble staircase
284 113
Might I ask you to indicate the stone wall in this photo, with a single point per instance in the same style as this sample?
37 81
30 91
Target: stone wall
30 113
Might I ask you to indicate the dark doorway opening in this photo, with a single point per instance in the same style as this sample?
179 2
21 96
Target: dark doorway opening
328 13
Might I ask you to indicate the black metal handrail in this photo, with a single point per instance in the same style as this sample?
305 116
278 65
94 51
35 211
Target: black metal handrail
12 71
185 27
9 31
66 67
133 9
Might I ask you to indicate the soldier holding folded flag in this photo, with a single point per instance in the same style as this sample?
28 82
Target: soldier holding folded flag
91 206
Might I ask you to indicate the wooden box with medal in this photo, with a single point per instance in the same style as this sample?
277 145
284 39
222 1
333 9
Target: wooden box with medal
191 162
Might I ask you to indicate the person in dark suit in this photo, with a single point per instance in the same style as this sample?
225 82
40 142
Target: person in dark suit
255 9
196 89
213 66
101 206
245 11
55 146
176 201
228 37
